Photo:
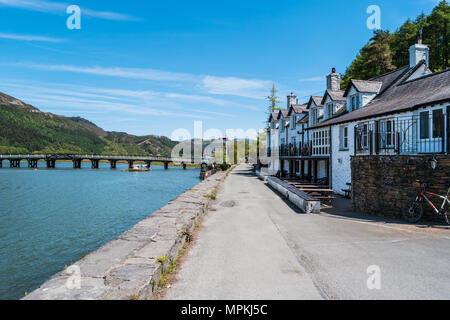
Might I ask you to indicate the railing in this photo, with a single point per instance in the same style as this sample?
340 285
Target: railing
296 150
421 134
92 157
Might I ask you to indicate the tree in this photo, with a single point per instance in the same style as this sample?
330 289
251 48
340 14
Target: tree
386 52
273 99
375 58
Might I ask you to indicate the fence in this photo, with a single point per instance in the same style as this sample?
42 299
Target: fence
421 134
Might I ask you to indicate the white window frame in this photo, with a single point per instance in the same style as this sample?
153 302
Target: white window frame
387 135
344 138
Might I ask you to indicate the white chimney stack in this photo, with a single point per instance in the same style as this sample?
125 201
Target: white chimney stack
417 53
291 100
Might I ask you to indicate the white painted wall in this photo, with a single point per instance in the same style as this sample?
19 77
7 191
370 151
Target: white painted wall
341 173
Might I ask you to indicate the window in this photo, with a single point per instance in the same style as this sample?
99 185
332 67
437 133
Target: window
438 123
365 136
355 103
283 125
387 133
424 125
344 138
320 143
294 122
330 110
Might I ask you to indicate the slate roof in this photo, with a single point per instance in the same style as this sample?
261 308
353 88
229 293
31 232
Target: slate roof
316 99
400 95
334 95
298 109
364 86
274 116
284 113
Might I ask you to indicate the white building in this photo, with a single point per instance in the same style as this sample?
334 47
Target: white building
402 112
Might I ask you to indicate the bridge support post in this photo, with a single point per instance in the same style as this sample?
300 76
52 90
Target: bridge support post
14 163
149 164
95 164
51 164
32 164
184 166
77 163
1 163
113 164
166 166
130 164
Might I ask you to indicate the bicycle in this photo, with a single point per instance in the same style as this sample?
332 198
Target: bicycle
413 212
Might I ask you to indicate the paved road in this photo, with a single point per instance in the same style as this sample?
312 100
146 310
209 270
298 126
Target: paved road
256 246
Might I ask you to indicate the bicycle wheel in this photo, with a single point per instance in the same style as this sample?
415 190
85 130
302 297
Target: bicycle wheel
447 217
413 211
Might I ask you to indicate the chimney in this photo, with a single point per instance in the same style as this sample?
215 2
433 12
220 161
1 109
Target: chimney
417 53
291 100
334 81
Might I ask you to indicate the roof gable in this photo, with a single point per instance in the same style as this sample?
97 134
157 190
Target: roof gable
316 100
364 86
334 95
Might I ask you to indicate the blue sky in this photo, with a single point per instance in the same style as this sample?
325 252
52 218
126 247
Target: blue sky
151 67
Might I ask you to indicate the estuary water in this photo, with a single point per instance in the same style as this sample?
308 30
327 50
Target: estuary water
50 218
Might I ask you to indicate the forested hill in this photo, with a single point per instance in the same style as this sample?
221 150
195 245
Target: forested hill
388 51
25 129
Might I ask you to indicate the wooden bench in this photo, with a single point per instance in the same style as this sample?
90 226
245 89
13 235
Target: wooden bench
348 192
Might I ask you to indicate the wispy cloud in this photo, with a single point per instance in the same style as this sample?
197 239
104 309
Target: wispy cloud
60 8
246 88
23 37
312 79
130 73
255 89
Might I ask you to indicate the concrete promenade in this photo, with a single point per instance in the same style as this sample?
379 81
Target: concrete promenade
254 245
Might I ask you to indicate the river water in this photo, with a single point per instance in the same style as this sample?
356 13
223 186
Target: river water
52 218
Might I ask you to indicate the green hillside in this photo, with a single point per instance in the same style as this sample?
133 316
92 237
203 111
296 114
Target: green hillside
25 129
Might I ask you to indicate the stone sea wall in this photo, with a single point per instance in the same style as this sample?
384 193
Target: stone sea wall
382 184
130 266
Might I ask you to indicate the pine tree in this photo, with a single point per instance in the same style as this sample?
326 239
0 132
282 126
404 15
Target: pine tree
274 101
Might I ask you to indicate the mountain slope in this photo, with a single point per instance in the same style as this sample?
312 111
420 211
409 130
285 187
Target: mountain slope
25 129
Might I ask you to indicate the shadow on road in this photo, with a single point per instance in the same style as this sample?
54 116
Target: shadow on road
341 207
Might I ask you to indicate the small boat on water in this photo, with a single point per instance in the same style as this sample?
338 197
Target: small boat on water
139 169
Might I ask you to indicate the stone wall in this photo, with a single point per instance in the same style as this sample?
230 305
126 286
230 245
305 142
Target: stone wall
382 184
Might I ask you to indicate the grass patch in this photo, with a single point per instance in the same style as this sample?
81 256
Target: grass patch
162 259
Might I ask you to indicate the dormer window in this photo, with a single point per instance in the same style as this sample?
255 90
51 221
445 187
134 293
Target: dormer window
330 109
355 102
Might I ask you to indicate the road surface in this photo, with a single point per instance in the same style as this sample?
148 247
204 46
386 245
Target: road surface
255 245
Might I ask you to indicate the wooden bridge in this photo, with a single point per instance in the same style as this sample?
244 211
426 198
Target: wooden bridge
32 160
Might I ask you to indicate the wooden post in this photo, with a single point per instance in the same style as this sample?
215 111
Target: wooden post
184 166
316 171
166 166
302 170
113 164
149 164
94 164
130 164
1 163
77 163
310 176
